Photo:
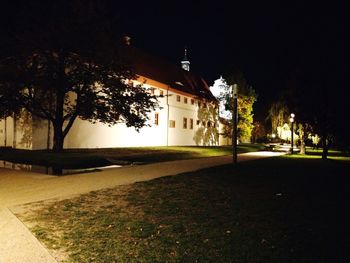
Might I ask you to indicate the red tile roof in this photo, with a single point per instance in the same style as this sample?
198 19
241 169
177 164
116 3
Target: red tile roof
174 76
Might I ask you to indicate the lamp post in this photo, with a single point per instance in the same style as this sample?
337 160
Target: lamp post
234 123
291 119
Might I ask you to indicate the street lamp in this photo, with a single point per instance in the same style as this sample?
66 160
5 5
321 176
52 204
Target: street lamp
234 123
291 119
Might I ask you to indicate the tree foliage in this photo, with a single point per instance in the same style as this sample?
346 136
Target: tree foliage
277 115
246 99
67 64
311 94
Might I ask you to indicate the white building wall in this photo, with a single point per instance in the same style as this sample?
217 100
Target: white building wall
6 133
16 134
84 134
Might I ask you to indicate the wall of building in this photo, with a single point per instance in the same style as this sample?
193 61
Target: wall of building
174 107
196 123
16 133
224 140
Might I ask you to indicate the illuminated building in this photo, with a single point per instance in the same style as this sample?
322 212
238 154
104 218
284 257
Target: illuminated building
187 114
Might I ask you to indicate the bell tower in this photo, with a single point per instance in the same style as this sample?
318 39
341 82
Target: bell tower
185 63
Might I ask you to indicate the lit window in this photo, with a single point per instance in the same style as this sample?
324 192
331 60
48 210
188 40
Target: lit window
178 98
185 100
161 93
192 101
185 123
171 123
191 124
156 118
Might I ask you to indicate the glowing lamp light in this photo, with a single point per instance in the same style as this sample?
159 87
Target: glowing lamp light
273 135
291 119
292 115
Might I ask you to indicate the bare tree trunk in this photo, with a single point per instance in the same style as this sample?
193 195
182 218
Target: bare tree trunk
58 138
324 147
302 138
14 143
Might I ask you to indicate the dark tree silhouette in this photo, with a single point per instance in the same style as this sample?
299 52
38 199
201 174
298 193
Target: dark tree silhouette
64 60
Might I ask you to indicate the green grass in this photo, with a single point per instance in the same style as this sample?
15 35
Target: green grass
87 158
270 210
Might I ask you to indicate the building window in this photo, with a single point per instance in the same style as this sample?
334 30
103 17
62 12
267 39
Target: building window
185 100
171 123
178 98
185 123
151 90
209 124
198 122
203 122
156 118
204 105
214 125
161 93
191 124
192 101
199 104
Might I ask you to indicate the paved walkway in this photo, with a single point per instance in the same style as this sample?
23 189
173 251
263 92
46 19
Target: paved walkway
17 244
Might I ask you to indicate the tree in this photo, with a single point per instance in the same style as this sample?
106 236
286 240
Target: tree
320 109
258 132
64 64
277 115
246 98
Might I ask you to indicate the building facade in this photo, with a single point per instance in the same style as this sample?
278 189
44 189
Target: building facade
187 114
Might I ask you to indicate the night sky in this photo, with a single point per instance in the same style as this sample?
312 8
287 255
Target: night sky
266 41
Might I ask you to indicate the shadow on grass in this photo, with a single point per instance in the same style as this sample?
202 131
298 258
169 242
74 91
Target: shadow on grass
278 209
90 158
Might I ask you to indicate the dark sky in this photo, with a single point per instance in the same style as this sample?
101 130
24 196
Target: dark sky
267 41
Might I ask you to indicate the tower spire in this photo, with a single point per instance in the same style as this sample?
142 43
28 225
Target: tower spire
185 63
185 56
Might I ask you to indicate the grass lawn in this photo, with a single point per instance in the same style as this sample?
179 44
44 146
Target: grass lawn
86 158
279 209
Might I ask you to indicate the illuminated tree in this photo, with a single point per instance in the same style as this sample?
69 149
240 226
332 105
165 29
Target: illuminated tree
64 63
246 99
278 115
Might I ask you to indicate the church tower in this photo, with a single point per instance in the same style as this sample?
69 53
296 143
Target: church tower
185 63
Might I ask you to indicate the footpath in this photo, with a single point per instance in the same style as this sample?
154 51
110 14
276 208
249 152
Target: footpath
17 243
